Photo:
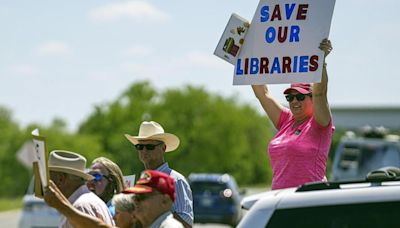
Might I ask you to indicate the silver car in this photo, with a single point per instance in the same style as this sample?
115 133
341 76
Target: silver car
36 213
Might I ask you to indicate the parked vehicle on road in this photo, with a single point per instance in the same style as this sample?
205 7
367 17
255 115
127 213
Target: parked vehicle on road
358 154
373 202
36 213
216 198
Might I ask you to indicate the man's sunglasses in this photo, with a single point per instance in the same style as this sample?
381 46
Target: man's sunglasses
299 97
144 196
98 176
148 146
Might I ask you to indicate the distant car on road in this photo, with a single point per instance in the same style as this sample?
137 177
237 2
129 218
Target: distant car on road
358 154
216 198
36 213
372 202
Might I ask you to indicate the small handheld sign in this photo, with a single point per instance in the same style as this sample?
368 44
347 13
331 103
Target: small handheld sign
232 39
40 165
129 181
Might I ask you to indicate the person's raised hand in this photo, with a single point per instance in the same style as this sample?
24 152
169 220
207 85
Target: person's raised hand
326 46
54 197
259 90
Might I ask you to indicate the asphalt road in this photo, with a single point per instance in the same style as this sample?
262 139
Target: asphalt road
10 219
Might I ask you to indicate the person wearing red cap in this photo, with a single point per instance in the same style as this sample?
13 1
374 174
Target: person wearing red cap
299 151
154 197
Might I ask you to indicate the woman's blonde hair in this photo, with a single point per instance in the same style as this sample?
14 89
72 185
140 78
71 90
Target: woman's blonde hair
115 173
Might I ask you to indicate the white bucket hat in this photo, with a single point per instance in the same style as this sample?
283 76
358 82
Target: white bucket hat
153 131
68 162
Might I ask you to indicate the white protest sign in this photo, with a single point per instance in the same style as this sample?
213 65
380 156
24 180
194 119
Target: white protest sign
282 43
40 156
26 155
129 181
228 47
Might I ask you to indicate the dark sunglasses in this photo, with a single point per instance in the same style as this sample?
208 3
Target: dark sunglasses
148 146
299 97
143 197
98 177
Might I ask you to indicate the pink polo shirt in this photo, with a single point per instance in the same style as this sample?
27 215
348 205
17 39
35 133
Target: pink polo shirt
298 155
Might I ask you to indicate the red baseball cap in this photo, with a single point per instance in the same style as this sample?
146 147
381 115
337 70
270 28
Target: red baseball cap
303 88
151 180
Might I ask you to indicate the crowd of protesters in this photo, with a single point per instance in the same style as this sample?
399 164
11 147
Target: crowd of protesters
162 197
98 198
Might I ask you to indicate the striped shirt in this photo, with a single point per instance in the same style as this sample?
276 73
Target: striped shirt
89 203
183 204
166 220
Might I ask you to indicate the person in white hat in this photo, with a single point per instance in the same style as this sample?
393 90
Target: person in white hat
152 143
67 171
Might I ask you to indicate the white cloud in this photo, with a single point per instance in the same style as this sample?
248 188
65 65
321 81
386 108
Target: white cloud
100 75
138 50
53 48
202 59
136 68
138 11
191 61
24 69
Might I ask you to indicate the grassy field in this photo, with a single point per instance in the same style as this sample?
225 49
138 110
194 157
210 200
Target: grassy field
7 204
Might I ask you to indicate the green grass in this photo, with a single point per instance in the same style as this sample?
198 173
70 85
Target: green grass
7 204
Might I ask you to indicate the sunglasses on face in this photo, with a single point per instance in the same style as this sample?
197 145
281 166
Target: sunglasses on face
148 146
299 97
98 177
143 197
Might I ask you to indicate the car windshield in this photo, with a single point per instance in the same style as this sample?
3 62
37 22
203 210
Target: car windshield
355 161
381 214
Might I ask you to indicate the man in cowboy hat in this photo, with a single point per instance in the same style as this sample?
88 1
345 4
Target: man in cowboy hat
67 171
152 143
153 199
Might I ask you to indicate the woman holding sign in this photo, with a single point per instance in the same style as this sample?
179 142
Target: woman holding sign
299 151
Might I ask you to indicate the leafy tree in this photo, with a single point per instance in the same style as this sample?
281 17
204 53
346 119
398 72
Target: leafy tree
12 173
15 177
217 134
58 138
110 122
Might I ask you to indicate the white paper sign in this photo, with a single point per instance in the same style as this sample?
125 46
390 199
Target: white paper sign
232 39
40 155
282 43
129 181
26 155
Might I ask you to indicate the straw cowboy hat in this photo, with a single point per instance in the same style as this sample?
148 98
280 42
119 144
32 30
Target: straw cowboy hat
68 162
153 131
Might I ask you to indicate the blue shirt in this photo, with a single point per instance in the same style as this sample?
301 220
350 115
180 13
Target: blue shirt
183 204
111 208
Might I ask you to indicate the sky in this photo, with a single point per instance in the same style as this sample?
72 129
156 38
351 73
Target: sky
61 58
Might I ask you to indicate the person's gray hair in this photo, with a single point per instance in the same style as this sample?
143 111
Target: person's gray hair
124 202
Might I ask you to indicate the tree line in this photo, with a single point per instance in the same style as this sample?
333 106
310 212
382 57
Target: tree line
217 135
